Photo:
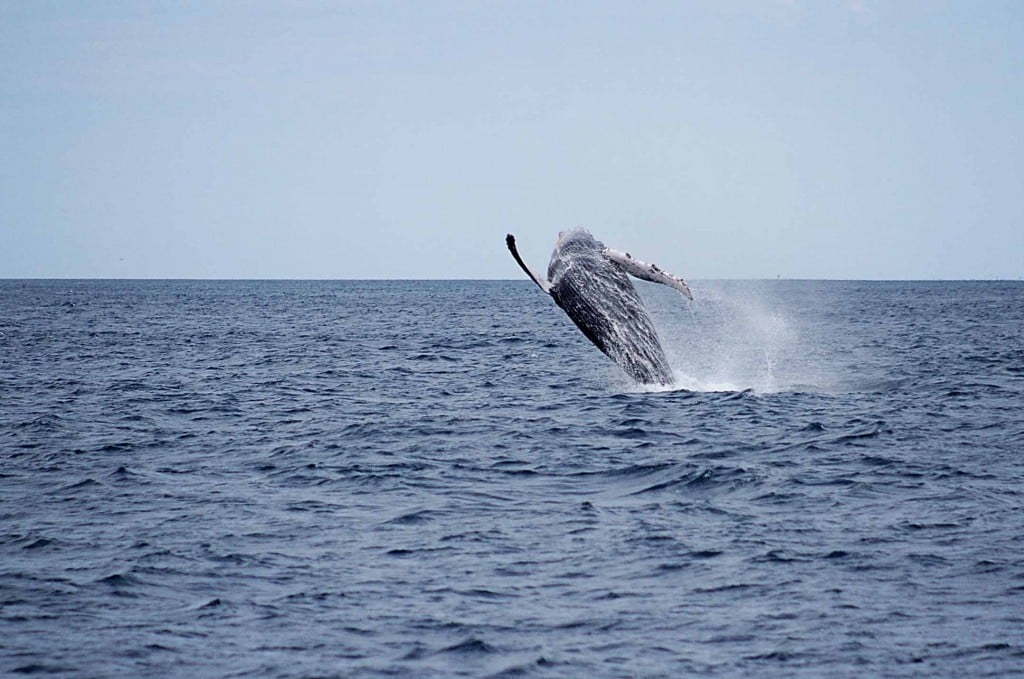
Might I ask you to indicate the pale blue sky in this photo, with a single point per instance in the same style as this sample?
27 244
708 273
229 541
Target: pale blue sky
403 140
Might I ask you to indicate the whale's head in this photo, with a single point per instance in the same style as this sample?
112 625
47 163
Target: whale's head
576 241
575 248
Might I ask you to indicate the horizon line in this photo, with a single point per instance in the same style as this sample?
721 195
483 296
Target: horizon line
497 280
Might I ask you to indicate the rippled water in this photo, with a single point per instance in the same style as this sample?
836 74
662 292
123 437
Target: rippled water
446 478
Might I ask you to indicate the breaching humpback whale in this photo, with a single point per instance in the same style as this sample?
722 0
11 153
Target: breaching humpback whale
590 283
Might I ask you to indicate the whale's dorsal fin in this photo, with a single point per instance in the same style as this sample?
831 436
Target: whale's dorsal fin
541 282
647 272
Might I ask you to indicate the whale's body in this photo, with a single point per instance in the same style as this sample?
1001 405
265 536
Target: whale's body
591 284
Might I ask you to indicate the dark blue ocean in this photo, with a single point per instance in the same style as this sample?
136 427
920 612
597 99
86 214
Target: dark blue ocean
435 479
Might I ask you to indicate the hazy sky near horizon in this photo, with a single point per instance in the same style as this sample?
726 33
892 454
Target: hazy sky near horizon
308 139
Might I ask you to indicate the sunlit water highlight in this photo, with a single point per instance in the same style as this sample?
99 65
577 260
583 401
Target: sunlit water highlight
447 479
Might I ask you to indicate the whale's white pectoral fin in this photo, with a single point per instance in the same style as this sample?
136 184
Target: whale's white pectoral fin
541 282
647 272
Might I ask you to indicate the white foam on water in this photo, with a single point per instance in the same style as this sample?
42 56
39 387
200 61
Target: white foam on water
685 382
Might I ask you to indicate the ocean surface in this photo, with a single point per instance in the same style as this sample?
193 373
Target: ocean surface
435 479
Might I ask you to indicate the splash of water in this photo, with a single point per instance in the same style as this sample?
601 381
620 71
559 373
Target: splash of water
739 337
